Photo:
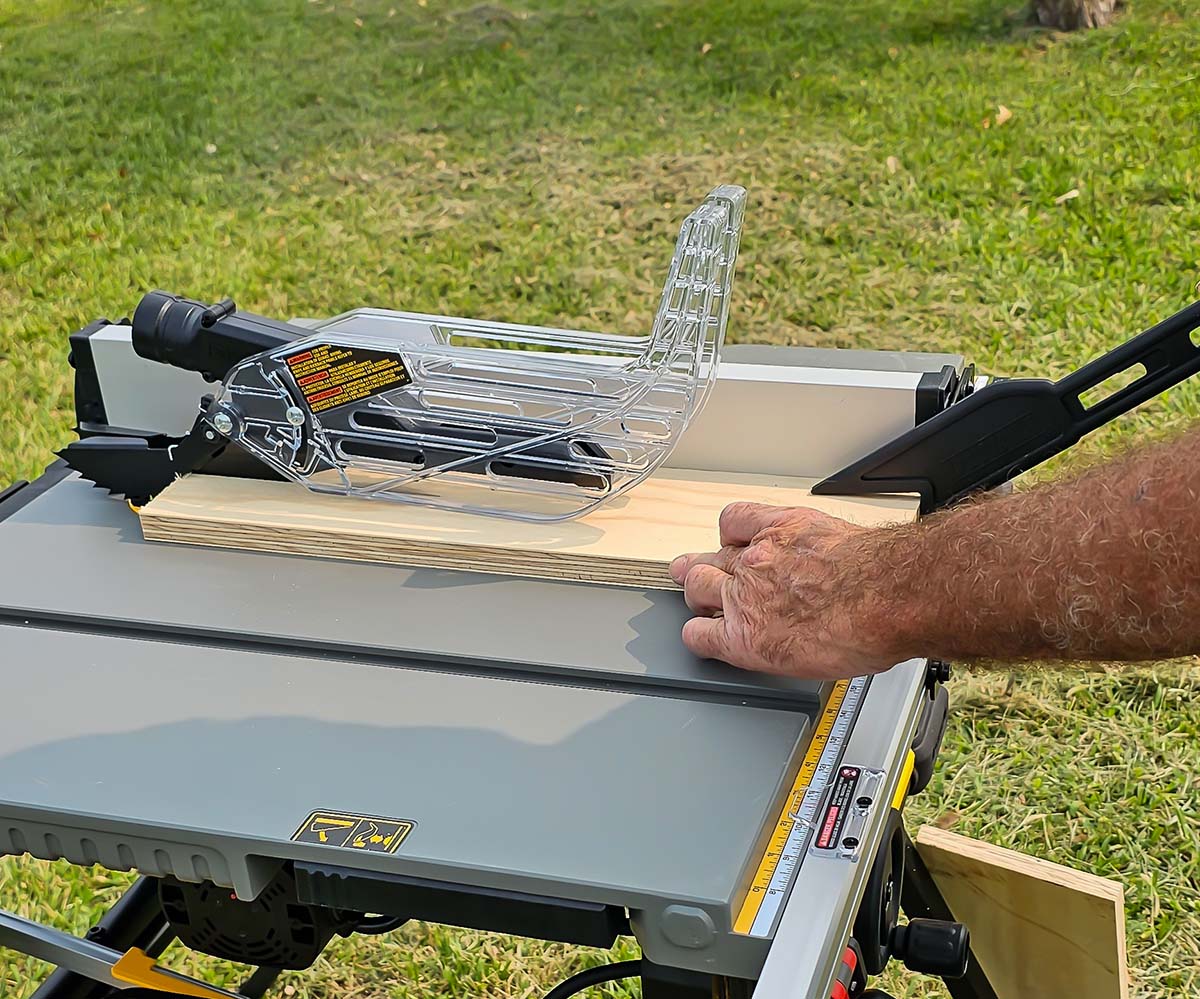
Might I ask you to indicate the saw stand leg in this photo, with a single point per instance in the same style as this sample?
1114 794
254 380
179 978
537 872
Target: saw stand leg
135 920
921 898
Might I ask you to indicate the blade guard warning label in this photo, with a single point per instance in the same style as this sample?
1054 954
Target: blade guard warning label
331 375
829 832
369 833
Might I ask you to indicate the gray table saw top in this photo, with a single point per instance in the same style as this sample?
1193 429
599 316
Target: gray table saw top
80 554
181 709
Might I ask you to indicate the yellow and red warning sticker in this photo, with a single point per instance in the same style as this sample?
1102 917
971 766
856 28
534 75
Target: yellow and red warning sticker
332 375
372 833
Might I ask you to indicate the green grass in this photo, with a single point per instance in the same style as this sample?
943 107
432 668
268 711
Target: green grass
532 163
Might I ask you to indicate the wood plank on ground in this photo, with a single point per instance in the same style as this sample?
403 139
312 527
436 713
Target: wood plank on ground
1039 930
628 542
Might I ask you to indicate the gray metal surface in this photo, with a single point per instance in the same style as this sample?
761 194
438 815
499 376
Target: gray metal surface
157 721
532 786
144 395
81 554
796 421
178 755
841 358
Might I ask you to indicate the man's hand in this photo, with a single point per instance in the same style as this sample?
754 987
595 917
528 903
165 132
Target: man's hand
785 594
1103 567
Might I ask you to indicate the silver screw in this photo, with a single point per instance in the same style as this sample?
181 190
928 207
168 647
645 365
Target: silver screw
223 423
294 416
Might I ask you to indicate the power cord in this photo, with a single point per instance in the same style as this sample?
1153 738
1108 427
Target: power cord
378 925
595 976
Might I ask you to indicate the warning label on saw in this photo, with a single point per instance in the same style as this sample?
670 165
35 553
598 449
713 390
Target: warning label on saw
829 832
331 375
371 833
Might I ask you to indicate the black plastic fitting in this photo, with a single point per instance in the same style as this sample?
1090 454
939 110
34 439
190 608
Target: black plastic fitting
937 672
196 336
933 947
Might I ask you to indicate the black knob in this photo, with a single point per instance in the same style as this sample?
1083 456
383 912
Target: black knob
223 308
933 947
938 671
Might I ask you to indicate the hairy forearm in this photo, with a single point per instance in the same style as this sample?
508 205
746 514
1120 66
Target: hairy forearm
1105 566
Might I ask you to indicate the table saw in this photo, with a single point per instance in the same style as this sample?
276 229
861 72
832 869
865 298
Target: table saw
557 763
286 749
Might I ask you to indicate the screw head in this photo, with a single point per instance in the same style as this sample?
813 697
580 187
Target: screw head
223 423
294 416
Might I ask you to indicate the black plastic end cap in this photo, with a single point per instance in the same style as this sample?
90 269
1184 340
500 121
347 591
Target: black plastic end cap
938 672
167 328
933 947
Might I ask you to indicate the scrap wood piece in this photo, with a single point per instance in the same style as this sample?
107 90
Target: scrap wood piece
1038 929
627 542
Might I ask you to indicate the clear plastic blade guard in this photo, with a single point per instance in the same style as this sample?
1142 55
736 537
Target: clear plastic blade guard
519 422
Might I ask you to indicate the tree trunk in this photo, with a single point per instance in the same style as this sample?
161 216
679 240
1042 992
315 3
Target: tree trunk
1070 15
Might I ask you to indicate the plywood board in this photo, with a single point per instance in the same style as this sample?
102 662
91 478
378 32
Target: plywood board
630 541
1039 930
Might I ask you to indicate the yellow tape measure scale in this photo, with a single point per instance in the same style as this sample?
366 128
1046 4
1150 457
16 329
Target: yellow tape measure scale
777 845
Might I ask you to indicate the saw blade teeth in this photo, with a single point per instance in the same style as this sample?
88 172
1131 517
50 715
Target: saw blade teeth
87 474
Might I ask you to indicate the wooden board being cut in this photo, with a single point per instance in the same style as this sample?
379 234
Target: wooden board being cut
1039 930
628 542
